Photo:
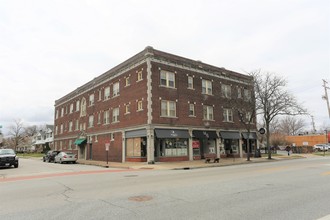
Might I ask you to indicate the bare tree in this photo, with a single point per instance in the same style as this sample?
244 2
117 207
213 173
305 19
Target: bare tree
272 99
31 130
16 132
290 125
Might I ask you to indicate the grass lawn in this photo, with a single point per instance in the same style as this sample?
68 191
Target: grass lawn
327 153
30 154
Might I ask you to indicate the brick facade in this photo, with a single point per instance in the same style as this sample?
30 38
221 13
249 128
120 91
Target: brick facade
133 135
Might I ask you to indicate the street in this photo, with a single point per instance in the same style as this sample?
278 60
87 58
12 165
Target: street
288 189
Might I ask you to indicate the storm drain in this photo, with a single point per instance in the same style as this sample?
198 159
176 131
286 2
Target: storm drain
140 198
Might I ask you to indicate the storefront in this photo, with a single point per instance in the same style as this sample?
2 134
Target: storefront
136 145
252 140
171 145
230 142
204 143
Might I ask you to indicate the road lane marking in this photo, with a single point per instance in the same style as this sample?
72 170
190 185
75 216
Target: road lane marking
325 173
41 176
273 169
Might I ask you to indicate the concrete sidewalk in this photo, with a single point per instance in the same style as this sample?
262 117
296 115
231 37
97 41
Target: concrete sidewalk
188 164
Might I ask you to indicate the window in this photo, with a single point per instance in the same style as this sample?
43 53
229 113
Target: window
190 82
191 110
206 87
239 93
247 95
127 109
56 114
167 79
115 89
77 106
106 117
207 112
70 126
56 129
139 76
228 115
90 121
71 108
139 105
100 95
62 112
248 117
83 107
127 81
107 93
99 118
91 99
115 115
70 145
77 125
61 129
168 109
226 91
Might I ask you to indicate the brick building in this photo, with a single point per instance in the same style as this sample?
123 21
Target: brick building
156 106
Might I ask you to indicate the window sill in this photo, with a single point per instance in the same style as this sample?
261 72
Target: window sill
167 87
168 116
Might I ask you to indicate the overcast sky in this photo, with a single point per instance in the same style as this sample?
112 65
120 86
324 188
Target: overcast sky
49 48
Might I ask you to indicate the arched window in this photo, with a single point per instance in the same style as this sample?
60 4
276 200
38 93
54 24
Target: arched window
83 107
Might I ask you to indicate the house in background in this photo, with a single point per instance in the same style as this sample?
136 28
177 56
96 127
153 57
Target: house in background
308 140
43 140
154 107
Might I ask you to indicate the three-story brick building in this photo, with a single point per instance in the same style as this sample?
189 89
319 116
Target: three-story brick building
156 106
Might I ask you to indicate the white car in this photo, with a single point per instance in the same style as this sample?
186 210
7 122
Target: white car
66 157
321 147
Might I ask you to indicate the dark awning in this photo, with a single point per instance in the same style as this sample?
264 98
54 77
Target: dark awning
253 135
79 141
172 133
229 135
205 134
136 133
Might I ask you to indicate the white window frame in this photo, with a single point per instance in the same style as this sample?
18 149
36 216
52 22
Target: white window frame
77 125
115 89
70 126
127 81
107 93
168 109
91 121
91 99
226 91
127 109
206 87
247 95
167 79
190 82
208 112
77 106
100 95
228 115
192 109
115 115
139 105
106 117
139 76
83 107
71 108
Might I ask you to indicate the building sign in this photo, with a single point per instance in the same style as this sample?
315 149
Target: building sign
195 144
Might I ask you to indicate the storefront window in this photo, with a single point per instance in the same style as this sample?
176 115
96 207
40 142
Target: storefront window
173 147
136 147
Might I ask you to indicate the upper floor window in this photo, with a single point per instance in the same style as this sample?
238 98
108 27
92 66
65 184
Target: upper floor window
70 126
115 115
139 76
91 99
228 115
56 130
139 105
207 112
191 110
206 87
62 112
247 95
99 118
127 109
106 117
107 93
168 108
239 93
90 121
77 106
61 129
83 107
100 94
115 89
127 81
248 117
167 79
190 82
226 91
56 115
71 108
77 125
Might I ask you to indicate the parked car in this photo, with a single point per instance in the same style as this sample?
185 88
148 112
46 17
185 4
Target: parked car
321 147
8 158
50 156
65 157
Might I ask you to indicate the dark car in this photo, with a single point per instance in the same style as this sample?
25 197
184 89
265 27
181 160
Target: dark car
50 156
8 158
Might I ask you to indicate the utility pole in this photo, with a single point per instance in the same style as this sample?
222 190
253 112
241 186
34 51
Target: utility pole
326 97
313 124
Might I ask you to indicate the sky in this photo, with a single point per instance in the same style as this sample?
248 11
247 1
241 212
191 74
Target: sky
49 48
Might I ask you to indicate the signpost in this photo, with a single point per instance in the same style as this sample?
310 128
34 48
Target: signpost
107 146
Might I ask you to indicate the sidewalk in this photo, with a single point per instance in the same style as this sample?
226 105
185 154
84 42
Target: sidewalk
188 164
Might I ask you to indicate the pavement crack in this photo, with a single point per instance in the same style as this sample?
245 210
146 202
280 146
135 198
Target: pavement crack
65 192
122 207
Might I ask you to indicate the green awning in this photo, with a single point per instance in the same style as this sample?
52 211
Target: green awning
79 141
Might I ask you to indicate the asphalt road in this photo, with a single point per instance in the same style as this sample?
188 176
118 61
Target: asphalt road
290 189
